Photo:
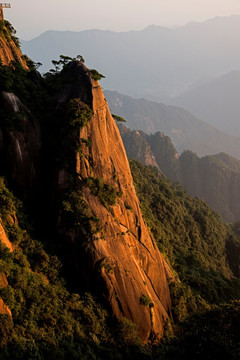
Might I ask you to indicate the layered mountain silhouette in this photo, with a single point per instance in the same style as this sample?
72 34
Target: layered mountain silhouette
153 63
217 102
185 130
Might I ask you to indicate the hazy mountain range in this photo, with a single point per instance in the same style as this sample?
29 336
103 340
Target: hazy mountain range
155 63
217 102
185 129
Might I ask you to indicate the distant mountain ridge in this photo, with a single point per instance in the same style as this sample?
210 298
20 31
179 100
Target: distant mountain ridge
217 102
179 57
185 130
214 179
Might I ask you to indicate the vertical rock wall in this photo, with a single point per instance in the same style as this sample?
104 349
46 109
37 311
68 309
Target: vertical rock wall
126 256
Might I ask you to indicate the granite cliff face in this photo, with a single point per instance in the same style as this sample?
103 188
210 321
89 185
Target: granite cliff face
4 309
124 254
76 163
4 239
9 50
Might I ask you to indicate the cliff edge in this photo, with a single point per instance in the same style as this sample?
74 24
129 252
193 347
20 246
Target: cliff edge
9 45
134 272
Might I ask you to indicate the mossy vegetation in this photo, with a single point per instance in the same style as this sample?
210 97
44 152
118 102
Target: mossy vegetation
8 32
25 84
96 75
146 301
118 118
77 214
78 113
75 115
105 263
106 193
209 335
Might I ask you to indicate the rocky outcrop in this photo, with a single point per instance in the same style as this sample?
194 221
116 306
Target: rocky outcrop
137 146
4 309
3 281
4 239
9 51
124 253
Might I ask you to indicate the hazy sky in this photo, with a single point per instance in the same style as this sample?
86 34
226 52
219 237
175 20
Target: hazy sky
31 17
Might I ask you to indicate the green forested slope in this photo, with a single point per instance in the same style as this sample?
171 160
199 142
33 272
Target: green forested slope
47 320
189 233
204 252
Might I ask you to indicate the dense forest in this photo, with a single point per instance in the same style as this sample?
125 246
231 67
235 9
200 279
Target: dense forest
49 321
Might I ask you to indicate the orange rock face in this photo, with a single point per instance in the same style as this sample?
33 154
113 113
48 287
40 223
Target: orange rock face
4 239
10 52
129 260
4 309
3 281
